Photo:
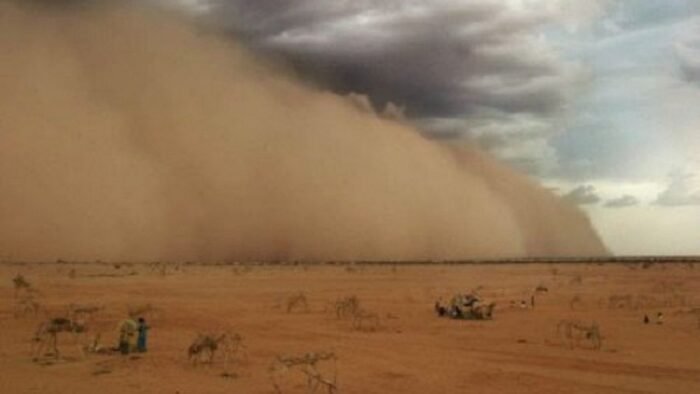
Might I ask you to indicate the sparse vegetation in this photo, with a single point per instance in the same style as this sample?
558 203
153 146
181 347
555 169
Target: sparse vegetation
308 365
347 307
618 305
297 302
26 305
20 284
617 301
645 301
365 320
575 302
162 268
579 334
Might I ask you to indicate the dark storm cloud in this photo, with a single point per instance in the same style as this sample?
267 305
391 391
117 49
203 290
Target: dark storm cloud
691 72
438 59
688 54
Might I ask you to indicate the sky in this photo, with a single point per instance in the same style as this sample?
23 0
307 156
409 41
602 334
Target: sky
599 100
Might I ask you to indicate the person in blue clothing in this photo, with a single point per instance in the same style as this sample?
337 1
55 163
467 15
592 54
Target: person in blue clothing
143 333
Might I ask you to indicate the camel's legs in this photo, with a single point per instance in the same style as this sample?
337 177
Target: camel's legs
273 377
81 350
76 338
226 356
36 351
54 340
311 383
573 342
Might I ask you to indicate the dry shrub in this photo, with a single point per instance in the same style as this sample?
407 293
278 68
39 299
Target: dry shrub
346 307
363 320
297 302
25 305
579 334
20 284
617 301
308 366
575 301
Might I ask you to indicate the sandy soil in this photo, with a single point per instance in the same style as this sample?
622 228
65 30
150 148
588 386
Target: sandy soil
412 351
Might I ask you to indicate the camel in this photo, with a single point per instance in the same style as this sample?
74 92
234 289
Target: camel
46 334
83 311
483 311
206 345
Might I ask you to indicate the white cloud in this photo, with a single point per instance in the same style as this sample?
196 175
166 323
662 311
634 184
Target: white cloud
648 229
196 5
583 195
622 202
684 189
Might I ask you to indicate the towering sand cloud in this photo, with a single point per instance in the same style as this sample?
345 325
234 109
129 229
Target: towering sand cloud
130 134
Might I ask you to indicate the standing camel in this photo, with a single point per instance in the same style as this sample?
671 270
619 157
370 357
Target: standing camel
205 346
46 336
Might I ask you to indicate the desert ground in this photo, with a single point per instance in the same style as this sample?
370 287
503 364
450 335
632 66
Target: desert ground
410 351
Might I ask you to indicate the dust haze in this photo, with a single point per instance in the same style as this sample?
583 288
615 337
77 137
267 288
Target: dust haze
131 134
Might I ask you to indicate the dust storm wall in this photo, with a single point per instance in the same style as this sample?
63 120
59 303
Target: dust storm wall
129 134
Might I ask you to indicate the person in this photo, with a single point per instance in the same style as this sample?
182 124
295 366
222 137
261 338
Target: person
439 309
127 332
456 312
143 332
659 318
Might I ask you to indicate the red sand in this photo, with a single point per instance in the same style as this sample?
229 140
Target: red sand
412 352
